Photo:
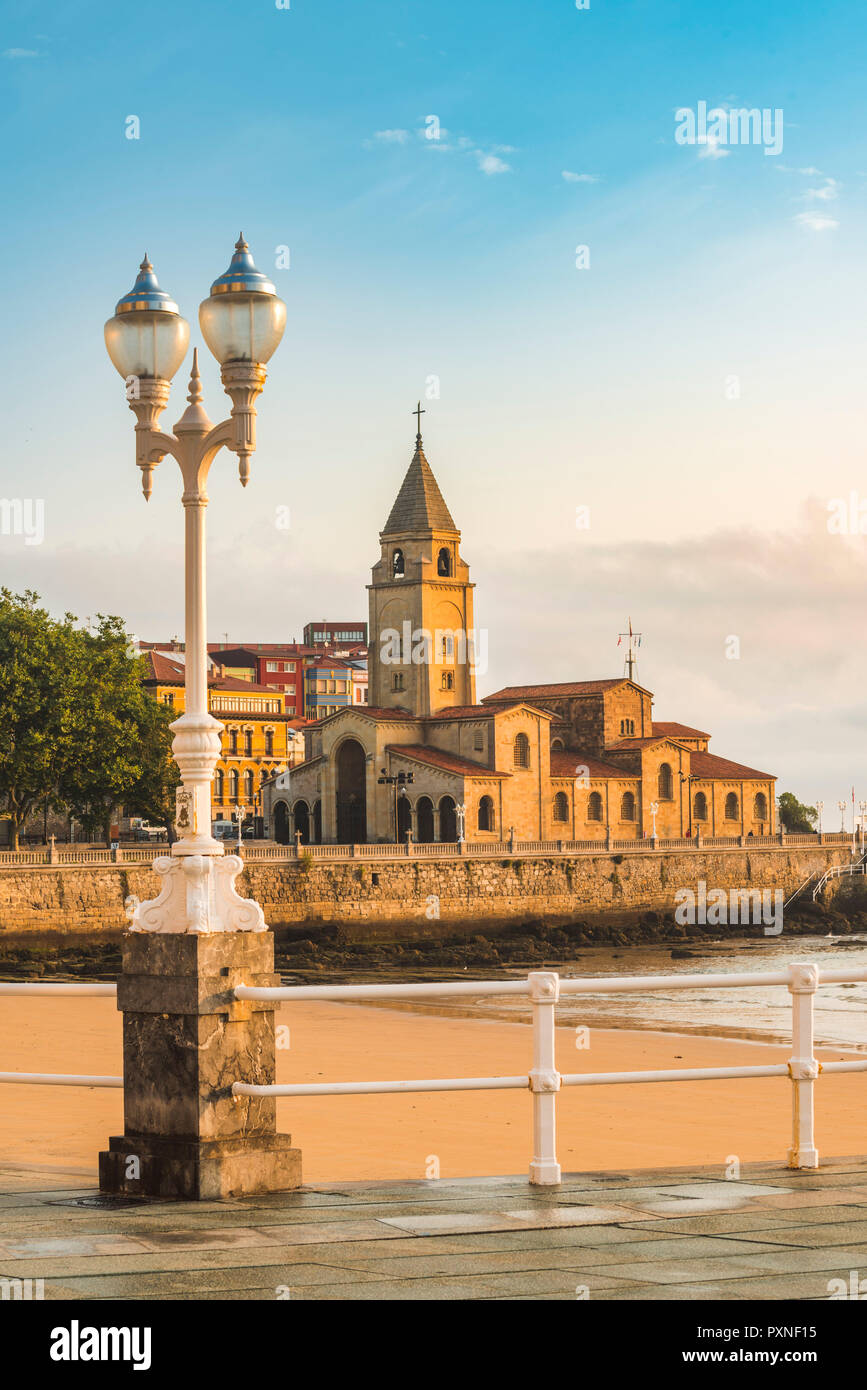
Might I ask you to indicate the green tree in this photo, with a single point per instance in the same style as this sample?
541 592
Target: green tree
117 746
33 705
795 817
153 794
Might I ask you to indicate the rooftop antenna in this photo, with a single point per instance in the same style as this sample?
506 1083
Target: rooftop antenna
633 642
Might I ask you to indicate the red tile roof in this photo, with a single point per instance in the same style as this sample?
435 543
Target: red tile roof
631 745
448 762
163 668
708 765
463 712
373 712
566 764
675 731
566 688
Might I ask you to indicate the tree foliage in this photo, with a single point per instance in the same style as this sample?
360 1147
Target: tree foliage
77 730
795 817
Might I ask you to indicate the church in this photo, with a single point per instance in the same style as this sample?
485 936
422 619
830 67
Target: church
577 761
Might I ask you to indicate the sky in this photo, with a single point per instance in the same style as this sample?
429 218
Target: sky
662 426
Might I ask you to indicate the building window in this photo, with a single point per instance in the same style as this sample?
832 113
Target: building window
760 806
233 787
522 751
248 743
448 680
397 565
665 783
627 807
479 741
233 742
269 743
627 726
732 812
397 681
594 806
444 563
218 785
168 698
271 666
248 785
699 807
557 745
561 807
486 813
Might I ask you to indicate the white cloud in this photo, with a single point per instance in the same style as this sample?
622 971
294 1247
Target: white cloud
392 137
578 178
826 193
815 221
21 53
491 164
712 149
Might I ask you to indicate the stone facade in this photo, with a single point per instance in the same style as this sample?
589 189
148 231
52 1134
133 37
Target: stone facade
416 896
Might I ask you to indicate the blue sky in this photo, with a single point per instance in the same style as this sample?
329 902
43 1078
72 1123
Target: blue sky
607 387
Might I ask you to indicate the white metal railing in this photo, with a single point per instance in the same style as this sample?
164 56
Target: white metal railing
838 871
507 849
36 1078
544 988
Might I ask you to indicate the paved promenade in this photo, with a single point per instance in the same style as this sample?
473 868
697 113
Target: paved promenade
682 1234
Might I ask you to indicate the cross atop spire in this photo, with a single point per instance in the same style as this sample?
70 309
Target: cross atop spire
418 413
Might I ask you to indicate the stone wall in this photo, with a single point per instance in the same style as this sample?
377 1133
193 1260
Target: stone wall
417 896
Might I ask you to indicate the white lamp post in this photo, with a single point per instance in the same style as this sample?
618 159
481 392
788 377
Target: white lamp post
653 808
841 807
239 814
820 806
862 807
242 322
461 813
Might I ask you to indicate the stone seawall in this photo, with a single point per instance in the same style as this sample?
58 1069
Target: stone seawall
417 897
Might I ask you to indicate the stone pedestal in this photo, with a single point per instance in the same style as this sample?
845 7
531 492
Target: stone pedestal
186 1039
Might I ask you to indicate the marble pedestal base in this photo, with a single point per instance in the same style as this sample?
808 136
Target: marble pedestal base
186 1039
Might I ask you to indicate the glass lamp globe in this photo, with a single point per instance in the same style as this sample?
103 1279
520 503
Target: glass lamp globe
147 336
243 319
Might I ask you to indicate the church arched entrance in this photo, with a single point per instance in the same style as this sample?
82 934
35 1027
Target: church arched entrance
424 820
448 820
351 794
301 812
404 818
281 823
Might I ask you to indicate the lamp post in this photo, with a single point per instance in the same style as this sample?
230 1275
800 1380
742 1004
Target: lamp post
689 781
841 807
242 322
653 808
239 813
862 807
820 806
461 813
399 781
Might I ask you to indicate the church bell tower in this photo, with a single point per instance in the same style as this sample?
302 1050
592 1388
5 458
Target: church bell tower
421 653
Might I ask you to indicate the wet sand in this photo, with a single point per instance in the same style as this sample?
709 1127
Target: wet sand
466 1134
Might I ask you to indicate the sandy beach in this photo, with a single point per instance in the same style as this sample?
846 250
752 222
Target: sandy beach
470 1134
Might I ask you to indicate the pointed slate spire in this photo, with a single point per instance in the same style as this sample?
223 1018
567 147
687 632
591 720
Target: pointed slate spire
419 507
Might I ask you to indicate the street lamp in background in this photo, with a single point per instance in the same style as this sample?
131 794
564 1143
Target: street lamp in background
841 807
239 813
820 806
461 813
242 322
862 807
653 809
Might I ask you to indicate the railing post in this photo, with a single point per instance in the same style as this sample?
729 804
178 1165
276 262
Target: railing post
544 1077
297 844
803 1067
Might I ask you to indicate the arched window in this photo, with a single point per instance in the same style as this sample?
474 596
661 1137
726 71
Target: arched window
665 783
233 787
561 807
397 681
732 812
397 566
627 807
522 751
760 807
248 785
699 807
557 745
218 785
448 680
444 563
594 806
486 813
